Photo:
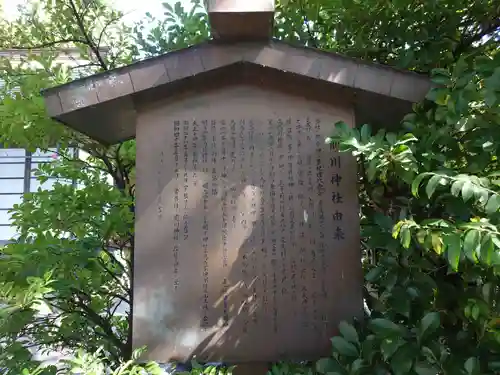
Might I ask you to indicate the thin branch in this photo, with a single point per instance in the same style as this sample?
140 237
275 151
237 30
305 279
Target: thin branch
106 25
112 274
101 322
78 160
90 42
113 312
86 7
118 296
84 65
111 255
50 44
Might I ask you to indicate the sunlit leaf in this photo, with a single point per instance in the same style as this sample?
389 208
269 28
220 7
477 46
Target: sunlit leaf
453 249
471 242
493 204
431 185
467 190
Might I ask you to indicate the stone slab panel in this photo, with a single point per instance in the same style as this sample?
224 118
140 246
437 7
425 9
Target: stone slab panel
247 229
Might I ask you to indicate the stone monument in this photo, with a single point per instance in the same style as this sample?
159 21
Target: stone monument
247 223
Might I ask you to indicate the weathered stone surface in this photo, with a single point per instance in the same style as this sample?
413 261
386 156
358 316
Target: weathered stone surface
247 231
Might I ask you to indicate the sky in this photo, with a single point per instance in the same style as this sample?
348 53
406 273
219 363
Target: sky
134 9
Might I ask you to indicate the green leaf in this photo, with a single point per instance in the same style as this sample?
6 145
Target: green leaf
424 368
429 324
196 365
432 184
344 347
493 204
490 98
365 133
487 290
328 365
168 7
384 327
494 366
389 346
357 366
374 274
372 169
369 347
453 249
441 80
440 72
456 187
471 242
467 191
487 250
402 360
437 243
408 137
416 183
397 229
349 332
391 138
472 366
399 301
405 235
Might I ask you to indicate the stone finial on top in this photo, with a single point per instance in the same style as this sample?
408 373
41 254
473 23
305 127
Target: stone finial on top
237 20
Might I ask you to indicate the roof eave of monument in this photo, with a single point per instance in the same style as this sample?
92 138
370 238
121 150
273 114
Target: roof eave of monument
174 67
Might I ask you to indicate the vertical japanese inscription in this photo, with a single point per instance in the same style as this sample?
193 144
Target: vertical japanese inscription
233 145
321 221
206 193
337 199
267 189
194 146
253 220
262 230
282 159
274 242
204 144
298 275
290 203
225 195
159 184
176 230
308 258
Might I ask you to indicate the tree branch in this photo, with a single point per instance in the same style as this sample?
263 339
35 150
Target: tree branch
90 42
112 274
50 44
101 322
112 20
466 42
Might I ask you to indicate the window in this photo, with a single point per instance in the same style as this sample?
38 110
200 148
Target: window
17 176
12 185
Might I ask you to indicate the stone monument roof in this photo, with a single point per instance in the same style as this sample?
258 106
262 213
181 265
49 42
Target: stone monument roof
104 105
